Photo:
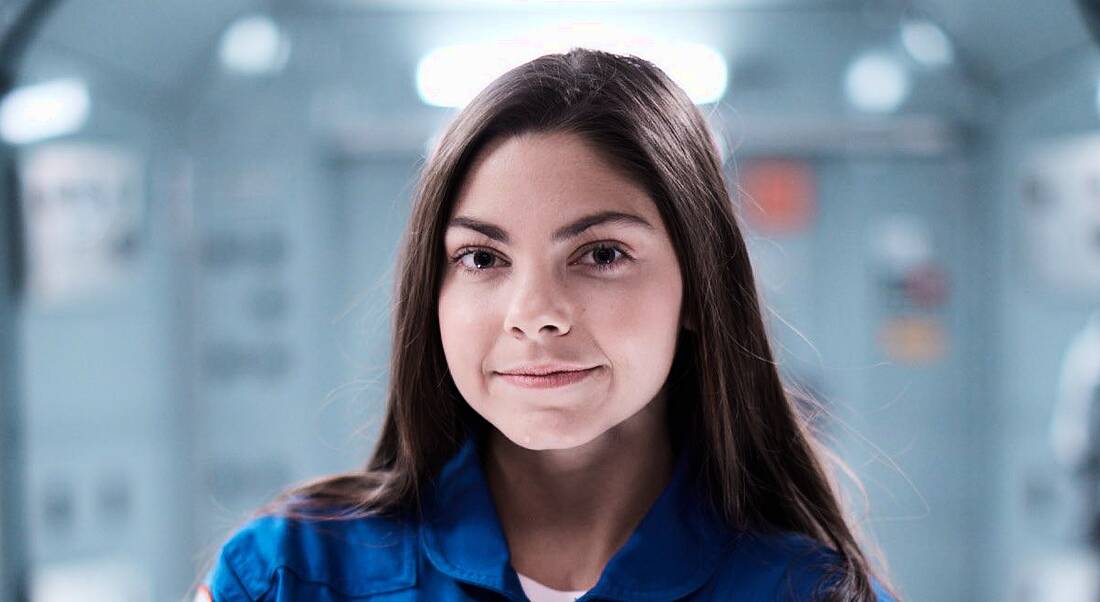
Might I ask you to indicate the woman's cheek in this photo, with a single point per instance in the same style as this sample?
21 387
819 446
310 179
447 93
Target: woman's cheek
467 330
635 305
454 320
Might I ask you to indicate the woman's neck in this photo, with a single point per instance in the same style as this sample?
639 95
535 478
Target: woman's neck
566 512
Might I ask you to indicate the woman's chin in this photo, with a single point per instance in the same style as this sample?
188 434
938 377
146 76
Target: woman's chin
549 434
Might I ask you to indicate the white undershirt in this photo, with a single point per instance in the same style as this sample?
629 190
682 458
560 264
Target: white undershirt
538 592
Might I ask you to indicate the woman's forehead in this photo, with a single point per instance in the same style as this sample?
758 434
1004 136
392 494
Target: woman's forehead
547 178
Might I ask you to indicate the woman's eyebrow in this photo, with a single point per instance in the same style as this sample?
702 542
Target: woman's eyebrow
565 232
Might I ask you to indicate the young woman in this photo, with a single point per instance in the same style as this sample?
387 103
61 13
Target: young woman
583 401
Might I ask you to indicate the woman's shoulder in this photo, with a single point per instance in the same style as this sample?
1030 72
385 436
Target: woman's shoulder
315 558
785 565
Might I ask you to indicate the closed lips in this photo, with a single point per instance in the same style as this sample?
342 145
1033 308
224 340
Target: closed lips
533 379
546 371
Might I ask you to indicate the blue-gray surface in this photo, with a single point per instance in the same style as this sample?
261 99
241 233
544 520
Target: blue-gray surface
259 296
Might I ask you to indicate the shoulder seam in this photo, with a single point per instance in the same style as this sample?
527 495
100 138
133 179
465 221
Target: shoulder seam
258 575
332 587
236 578
251 580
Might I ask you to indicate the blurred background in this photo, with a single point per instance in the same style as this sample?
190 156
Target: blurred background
202 201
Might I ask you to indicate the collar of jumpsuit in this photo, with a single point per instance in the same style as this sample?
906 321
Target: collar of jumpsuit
456 551
672 552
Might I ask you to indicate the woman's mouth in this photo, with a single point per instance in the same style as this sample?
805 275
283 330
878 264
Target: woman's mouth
549 380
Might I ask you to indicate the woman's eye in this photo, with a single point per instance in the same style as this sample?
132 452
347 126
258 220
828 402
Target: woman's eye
605 258
475 260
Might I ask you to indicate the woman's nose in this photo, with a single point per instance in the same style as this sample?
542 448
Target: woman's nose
539 307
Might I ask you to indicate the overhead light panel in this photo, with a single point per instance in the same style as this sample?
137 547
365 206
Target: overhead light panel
451 76
39 111
927 43
254 45
877 83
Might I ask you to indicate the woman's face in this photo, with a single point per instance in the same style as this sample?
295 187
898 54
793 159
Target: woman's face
555 261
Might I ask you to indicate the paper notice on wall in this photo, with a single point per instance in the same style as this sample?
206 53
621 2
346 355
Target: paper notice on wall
82 207
1060 192
913 289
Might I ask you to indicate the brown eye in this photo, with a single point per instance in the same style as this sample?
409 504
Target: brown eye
604 255
482 259
474 260
607 257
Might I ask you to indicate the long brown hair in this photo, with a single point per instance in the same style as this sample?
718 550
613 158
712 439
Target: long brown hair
761 464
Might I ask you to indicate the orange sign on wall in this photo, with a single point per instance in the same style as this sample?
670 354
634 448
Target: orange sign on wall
778 195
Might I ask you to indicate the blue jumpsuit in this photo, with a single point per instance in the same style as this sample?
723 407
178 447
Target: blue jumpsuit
457 551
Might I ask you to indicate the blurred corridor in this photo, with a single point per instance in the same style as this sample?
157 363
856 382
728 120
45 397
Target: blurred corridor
203 200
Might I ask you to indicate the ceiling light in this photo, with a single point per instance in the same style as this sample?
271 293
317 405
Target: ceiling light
927 43
877 83
254 45
451 76
35 112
